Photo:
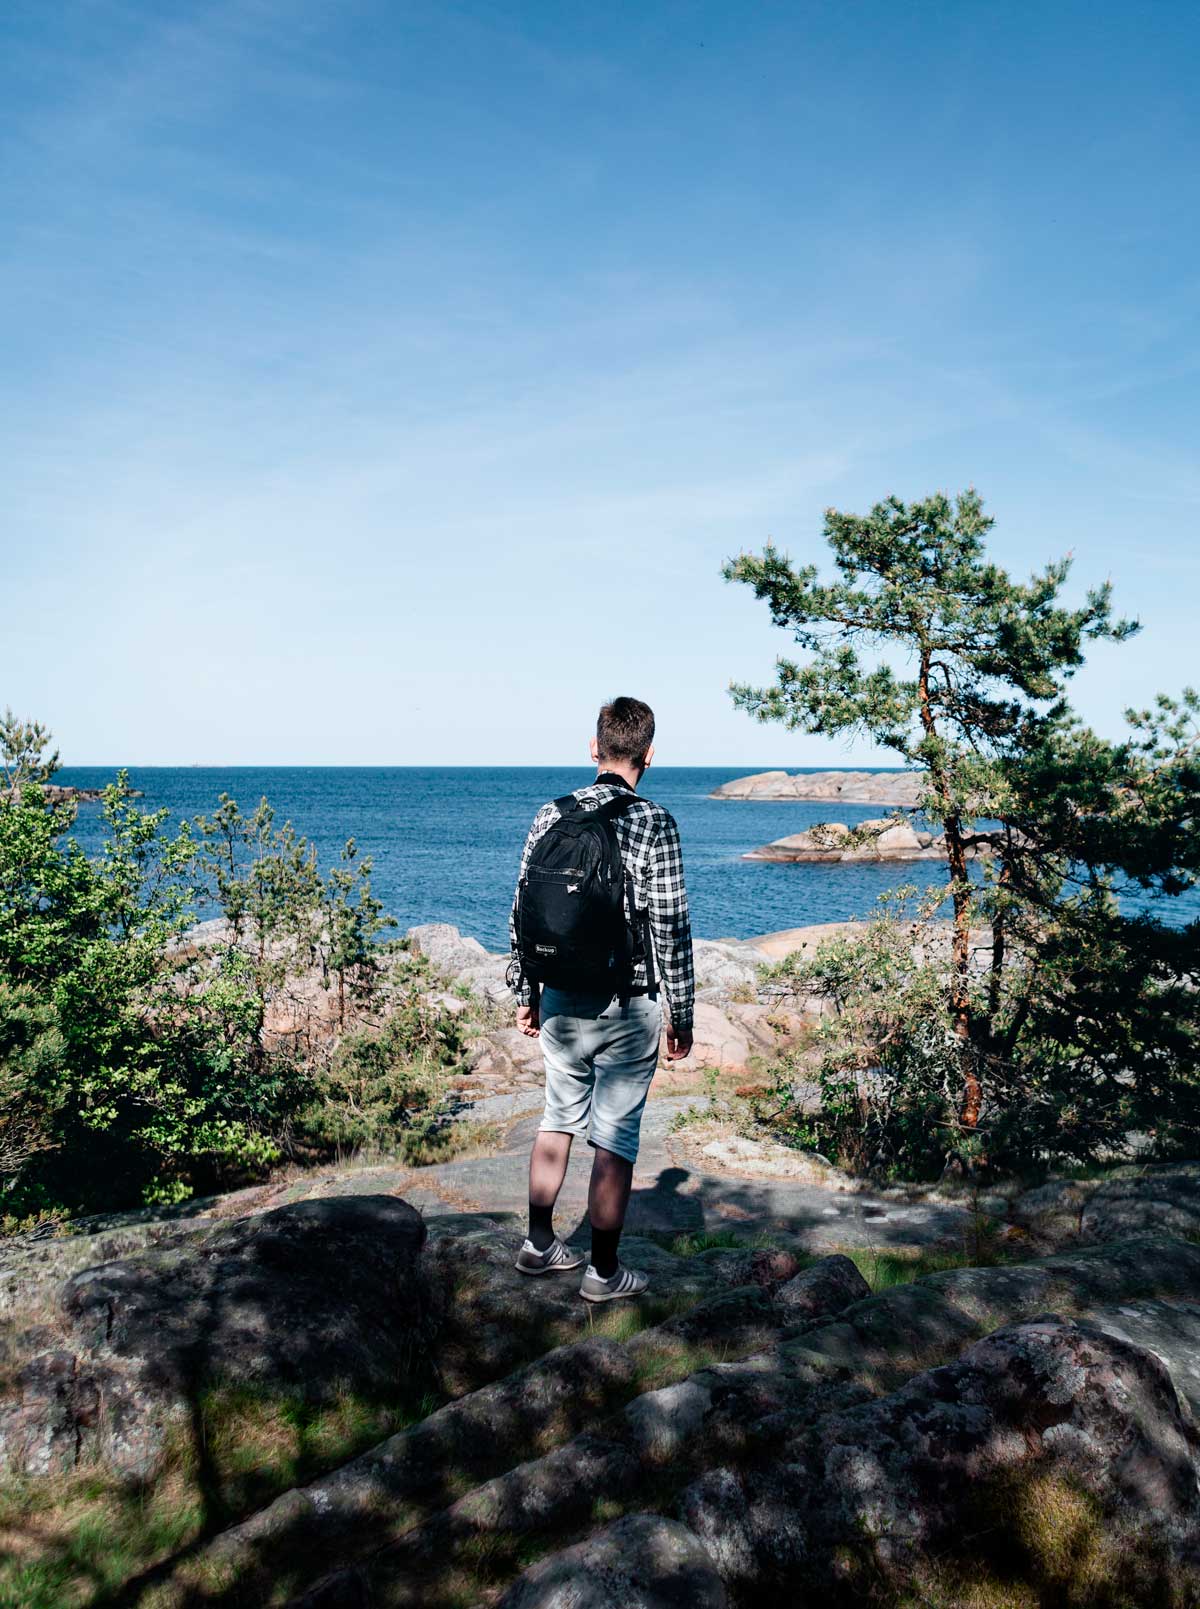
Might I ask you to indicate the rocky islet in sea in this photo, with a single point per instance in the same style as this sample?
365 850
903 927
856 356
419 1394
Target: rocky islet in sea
899 788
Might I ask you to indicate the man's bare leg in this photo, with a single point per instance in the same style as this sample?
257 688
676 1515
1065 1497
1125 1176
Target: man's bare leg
547 1170
608 1198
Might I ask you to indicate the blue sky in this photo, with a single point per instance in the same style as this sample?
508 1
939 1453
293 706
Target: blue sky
385 383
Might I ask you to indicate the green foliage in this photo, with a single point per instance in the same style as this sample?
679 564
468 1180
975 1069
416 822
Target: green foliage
32 1059
984 650
122 1076
887 1065
23 756
383 1089
353 923
1095 1038
1078 1024
264 879
142 1061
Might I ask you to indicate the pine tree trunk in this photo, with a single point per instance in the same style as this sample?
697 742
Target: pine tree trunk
960 973
960 948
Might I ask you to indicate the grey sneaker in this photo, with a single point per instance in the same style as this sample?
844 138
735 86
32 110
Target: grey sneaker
556 1259
625 1282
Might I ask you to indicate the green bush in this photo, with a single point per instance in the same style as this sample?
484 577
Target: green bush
1095 1041
886 1065
383 1087
141 1063
126 1065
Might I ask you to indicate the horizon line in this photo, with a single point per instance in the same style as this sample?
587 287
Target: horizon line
461 765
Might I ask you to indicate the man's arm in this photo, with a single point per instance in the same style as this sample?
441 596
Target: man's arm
671 931
527 1008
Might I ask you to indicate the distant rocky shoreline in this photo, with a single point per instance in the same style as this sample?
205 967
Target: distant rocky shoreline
55 793
900 788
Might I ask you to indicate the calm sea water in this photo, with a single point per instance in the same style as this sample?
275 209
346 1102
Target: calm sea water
446 841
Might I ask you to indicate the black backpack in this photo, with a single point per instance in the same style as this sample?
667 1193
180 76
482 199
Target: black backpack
570 910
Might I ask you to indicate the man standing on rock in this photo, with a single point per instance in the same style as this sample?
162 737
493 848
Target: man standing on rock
600 915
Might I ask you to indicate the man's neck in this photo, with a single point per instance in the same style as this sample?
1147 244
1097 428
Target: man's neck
614 771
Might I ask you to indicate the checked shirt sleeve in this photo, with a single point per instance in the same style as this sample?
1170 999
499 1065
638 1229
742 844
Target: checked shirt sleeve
670 924
520 986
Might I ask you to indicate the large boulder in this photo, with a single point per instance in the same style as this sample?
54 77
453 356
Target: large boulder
504 1058
41 1417
805 941
718 1041
1134 1200
730 1038
309 1299
725 967
828 1287
713 1146
463 959
727 1038
894 1480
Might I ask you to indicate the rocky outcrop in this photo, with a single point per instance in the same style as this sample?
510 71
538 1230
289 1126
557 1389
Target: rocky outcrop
834 842
709 1146
57 793
308 1299
805 940
643 1562
723 966
772 1421
464 959
731 1031
789 1464
889 1483
830 1286
849 787
1132 1200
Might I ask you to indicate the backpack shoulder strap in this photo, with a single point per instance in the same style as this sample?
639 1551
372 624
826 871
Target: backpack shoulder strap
567 805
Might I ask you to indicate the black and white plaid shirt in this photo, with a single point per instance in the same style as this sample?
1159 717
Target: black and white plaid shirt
650 849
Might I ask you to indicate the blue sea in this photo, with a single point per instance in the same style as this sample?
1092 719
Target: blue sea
446 840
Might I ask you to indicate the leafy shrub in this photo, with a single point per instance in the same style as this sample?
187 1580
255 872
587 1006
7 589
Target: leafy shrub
142 1062
383 1087
1094 1039
885 1064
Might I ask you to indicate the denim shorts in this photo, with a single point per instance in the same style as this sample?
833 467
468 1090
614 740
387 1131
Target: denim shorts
600 1055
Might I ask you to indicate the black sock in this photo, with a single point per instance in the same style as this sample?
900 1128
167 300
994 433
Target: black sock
604 1251
541 1227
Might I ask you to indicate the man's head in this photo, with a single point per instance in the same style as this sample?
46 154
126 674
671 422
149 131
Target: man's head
624 740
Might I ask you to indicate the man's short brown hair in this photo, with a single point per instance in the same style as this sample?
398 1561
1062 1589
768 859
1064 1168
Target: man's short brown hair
625 731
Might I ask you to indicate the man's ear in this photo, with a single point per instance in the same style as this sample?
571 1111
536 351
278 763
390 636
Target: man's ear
649 757
594 750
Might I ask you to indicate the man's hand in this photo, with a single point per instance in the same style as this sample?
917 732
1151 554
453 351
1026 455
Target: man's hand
679 1043
529 1021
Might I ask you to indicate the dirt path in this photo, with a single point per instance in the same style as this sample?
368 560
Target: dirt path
670 1193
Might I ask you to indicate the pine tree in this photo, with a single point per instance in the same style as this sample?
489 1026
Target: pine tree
925 647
